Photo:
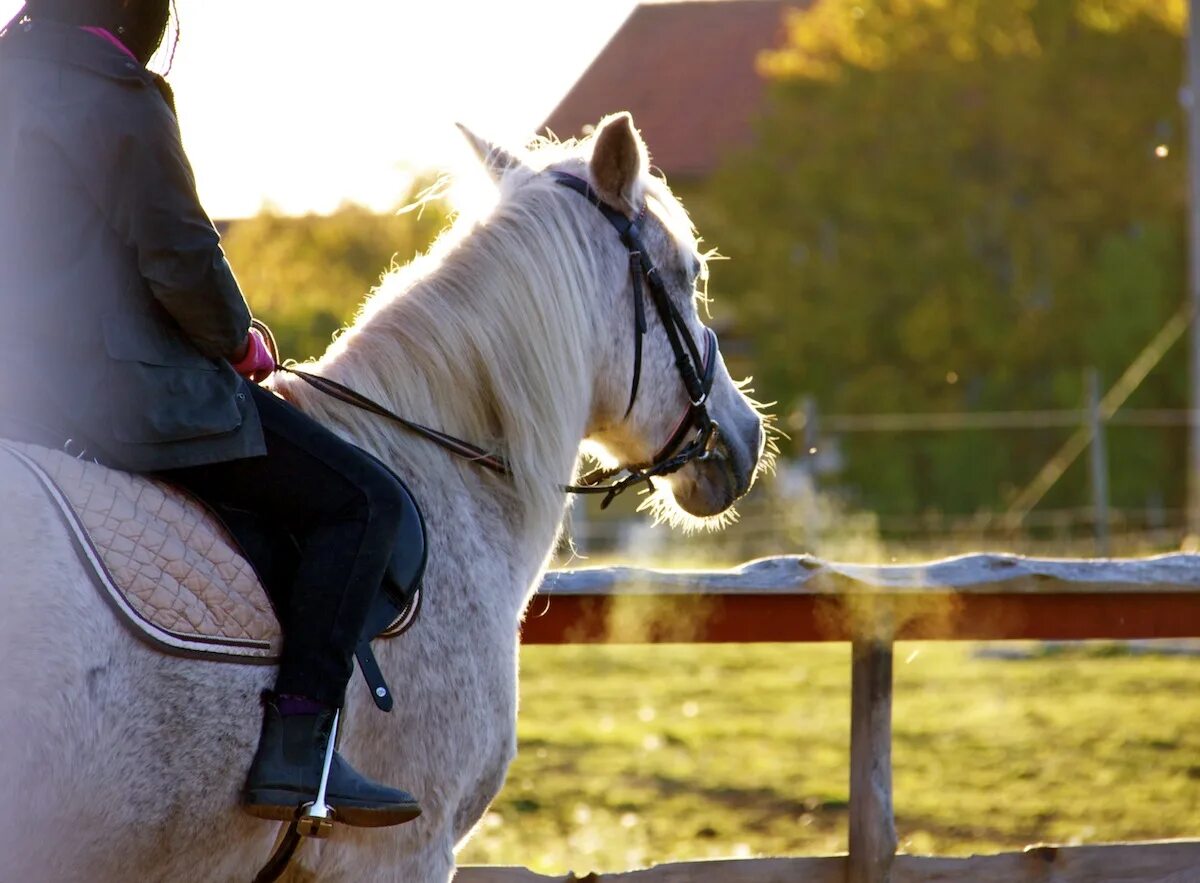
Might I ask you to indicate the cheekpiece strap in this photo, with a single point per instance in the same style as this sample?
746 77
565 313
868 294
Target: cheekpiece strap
639 326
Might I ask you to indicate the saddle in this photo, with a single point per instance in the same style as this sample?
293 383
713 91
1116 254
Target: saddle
173 573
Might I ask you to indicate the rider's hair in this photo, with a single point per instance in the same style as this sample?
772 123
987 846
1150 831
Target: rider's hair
140 24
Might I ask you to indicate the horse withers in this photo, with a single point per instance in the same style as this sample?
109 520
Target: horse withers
518 332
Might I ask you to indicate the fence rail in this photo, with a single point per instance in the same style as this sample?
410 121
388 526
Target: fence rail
994 597
803 599
1168 861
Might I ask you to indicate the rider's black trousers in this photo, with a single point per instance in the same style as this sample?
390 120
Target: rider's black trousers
340 511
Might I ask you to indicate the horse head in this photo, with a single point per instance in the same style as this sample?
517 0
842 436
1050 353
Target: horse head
647 330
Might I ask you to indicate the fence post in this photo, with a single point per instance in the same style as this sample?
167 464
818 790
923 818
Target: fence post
1192 106
872 821
1099 462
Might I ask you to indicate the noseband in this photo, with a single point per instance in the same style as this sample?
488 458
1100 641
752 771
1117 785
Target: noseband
696 370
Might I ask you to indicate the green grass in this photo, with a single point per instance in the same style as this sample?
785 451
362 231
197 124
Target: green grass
635 755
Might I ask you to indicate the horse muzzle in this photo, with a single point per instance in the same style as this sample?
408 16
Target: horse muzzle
713 482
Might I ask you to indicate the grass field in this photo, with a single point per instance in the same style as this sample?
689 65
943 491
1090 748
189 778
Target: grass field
635 755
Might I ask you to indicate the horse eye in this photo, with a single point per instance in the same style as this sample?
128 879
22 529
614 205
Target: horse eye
696 266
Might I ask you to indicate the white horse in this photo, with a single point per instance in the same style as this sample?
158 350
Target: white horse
119 763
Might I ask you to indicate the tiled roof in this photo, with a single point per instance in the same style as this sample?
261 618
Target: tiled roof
686 71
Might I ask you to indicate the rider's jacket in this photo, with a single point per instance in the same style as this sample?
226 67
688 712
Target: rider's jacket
118 311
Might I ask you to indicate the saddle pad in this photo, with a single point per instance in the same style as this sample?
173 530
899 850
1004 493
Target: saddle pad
163 562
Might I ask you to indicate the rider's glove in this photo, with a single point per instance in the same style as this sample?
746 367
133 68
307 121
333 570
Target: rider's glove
257 363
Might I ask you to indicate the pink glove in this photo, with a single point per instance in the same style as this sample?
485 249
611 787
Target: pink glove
258 363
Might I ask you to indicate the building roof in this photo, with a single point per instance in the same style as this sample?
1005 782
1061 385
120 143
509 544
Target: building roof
686 71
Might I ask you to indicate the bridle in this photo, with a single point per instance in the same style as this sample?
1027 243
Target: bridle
696 370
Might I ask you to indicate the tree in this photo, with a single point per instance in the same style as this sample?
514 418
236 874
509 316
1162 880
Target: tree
307 276
962 204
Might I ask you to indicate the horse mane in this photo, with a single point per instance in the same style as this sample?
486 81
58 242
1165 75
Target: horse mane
488 336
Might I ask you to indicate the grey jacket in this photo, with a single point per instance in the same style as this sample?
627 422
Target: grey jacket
118 310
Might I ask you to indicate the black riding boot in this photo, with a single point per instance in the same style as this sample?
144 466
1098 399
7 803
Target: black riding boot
286 774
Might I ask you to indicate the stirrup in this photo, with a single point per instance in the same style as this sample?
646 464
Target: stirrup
315 819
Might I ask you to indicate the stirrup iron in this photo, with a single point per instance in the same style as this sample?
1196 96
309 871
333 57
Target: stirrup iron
316 818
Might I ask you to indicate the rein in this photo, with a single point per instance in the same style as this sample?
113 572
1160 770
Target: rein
696 370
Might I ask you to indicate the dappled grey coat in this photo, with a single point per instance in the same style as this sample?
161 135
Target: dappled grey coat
118 310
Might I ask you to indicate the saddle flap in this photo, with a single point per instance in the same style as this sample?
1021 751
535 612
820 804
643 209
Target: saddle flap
170 569
164 563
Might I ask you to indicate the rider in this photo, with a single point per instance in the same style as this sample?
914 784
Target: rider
123 329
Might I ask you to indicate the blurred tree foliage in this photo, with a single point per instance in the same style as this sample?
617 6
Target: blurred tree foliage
307 276
960 205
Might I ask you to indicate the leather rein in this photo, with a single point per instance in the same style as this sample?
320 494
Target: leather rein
696 370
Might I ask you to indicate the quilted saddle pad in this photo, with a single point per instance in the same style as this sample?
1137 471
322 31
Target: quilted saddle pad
163 562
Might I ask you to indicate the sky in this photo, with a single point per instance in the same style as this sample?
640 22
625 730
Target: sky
305 104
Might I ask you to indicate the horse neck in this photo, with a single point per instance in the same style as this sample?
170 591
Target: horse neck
489 345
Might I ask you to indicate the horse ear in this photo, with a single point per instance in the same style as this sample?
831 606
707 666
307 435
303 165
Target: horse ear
495 159
618 158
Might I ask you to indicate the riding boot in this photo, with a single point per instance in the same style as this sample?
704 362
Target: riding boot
286 773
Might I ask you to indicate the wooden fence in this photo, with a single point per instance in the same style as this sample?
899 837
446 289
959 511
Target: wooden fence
975 597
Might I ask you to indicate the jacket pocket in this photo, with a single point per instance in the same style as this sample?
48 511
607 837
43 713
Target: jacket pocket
137 337
160 389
